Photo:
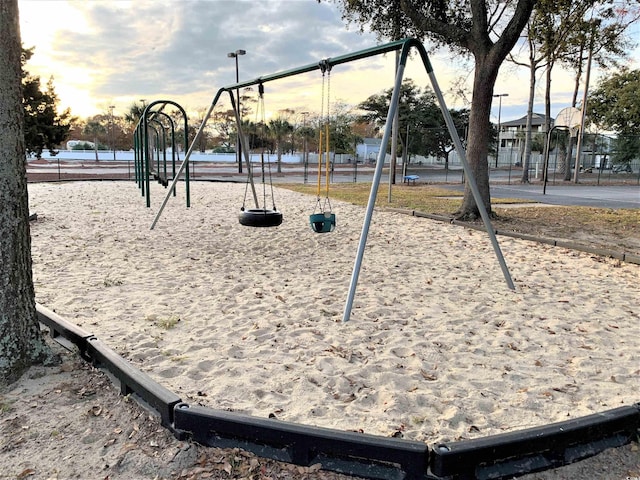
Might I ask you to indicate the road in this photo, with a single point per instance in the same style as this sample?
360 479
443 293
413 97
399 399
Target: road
609 196
504 182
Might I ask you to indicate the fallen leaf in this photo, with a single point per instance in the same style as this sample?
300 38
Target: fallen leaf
429 376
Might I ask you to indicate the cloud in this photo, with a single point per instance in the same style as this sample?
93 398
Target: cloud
149 48
105 52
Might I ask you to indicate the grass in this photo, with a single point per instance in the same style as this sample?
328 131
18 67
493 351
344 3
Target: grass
6 406
601 227
165 323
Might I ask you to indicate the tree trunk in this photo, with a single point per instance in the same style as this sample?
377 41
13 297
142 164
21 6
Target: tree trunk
21 343
478 143
568 160
547 114
528 134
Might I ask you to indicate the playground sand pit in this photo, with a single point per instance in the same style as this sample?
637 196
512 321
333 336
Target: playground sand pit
250 319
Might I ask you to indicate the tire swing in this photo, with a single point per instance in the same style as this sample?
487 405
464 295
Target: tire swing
259 217
323 220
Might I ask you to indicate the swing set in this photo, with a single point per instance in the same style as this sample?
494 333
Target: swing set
324 221
154 122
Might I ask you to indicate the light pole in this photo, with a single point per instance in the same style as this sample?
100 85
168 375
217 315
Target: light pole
113 146
238 144
499 96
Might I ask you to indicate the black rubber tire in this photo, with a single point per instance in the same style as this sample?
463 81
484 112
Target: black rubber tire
260 217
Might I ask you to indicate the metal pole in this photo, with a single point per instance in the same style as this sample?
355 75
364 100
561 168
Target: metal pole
235 55
393 106
113 146
472 181
394 143
238 142
247 153
499 95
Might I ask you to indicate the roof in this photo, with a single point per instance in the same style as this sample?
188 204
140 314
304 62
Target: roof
536 119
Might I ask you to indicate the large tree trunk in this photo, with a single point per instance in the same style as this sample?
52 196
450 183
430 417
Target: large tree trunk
21 343
488 56
478 143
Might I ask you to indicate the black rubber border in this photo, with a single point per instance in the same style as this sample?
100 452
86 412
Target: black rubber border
496 457
539 448
352 453
133 381
65 333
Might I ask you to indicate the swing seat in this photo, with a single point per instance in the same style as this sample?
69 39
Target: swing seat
323 222
260 217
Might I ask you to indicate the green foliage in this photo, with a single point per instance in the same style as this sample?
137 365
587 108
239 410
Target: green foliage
625 149
396 19
224 149
342 136
135 113
538 141
486 30
82 146
43 126
615 103
418 111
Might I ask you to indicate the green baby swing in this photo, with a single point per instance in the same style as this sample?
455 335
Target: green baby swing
323 220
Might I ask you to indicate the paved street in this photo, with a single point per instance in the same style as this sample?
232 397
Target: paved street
504 183
618 196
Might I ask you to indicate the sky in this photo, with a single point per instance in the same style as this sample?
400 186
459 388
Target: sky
104 53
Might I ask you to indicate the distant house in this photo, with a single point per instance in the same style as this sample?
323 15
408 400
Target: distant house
508 135
368 149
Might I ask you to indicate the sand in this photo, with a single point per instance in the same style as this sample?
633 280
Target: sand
245 319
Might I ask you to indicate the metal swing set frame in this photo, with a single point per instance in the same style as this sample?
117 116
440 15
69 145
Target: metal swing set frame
404 46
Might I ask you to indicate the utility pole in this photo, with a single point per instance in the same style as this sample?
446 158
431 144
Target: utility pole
499 97
238 143
113 146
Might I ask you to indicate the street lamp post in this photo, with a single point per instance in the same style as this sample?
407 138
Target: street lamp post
238 143
499 96
113 146
305 158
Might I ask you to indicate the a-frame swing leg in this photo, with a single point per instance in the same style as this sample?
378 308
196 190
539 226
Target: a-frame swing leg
378 174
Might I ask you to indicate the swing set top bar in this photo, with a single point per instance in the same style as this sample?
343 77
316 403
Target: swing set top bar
349 57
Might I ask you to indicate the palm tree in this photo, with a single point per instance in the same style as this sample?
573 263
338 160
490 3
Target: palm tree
135 112
279 130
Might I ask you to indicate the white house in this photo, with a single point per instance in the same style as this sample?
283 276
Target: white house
368 150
